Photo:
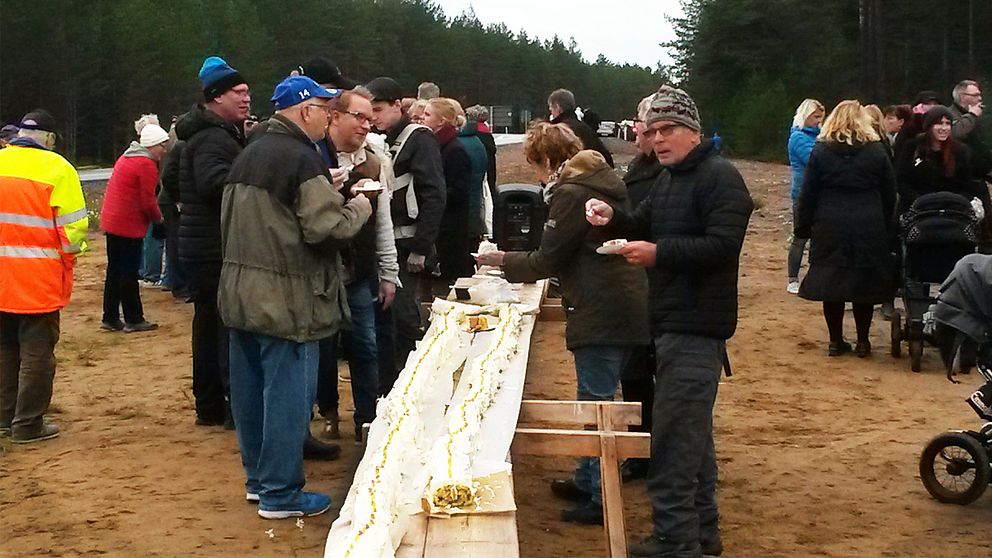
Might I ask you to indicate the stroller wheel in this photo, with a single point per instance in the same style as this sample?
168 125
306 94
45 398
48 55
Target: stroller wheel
954 468
895 326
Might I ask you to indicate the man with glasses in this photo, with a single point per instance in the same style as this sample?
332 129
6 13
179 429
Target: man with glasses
371 271
637 376
967 110
213 135
692 227
43 224
281 290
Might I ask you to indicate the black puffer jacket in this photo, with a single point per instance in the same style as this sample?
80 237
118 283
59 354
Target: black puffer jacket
212 144
697 215
642 174
588 136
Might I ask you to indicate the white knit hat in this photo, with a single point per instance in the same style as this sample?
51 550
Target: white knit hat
152 135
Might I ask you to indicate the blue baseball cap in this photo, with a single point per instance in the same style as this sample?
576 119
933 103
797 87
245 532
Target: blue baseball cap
296 89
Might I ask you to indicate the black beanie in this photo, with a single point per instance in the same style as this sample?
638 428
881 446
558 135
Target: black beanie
933 116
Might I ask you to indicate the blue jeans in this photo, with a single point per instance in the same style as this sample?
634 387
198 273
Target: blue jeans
151 264
273 382
360 349
597 371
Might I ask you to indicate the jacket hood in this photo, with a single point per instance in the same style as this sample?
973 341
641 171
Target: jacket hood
809 130
27 142
844 149
135 150
200 118
282 125
564 116
469 129
700 153
643 167
588 168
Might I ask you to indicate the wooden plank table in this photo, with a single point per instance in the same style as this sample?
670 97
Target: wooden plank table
485 534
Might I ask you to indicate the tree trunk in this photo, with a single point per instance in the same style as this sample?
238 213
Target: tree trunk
878 33
863 41
971 37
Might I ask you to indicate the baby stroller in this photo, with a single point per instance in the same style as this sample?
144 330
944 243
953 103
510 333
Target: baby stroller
954 466
937 231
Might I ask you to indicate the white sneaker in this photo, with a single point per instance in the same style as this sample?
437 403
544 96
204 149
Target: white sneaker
793 287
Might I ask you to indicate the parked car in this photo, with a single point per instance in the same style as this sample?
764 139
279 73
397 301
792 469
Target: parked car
607 128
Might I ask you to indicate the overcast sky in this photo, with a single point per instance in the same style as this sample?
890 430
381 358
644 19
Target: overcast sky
623 30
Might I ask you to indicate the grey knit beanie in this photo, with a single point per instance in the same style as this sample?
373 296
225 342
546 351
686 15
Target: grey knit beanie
673 104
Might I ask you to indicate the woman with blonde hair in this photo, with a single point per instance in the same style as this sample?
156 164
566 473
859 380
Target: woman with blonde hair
845 208
802 137
453 248
605 298
877 118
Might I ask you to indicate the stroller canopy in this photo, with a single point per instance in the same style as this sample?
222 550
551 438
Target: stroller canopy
965 301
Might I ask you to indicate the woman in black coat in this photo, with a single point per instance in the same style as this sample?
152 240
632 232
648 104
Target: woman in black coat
453 249
845 207
936 162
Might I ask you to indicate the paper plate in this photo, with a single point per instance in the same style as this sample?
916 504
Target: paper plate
609 249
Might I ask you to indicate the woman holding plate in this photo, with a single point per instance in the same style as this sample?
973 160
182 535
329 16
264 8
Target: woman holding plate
605 298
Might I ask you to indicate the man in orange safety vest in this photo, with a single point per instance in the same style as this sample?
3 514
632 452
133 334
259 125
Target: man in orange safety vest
43 224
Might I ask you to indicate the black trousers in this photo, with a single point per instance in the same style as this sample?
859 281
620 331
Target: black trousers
27 368
211 377
637 381
120 288
400 326
683 473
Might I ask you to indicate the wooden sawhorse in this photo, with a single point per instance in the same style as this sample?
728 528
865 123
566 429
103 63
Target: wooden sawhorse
607 443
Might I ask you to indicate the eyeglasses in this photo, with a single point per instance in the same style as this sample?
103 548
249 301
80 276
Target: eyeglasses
323 107
665 131
362 119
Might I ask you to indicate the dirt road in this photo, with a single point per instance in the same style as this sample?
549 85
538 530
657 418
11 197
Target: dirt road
818 456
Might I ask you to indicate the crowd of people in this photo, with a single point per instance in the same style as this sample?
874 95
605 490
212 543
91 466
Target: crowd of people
856 176
359 227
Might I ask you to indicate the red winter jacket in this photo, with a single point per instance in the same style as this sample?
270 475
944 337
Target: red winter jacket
129 203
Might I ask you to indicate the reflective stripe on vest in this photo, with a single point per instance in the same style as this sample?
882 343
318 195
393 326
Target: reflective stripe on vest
43 223
29 252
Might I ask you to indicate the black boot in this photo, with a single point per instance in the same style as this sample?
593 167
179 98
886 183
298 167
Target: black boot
316 450
634 468
653 547
589 513
568 490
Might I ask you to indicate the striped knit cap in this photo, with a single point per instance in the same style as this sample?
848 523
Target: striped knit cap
675 105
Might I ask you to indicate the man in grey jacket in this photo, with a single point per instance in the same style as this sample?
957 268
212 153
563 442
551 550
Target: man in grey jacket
281 291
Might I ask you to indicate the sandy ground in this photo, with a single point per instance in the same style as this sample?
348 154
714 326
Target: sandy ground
818 456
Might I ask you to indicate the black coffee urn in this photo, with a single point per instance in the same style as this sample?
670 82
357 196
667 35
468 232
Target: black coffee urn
519 213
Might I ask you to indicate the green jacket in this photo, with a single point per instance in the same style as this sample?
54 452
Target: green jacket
605 298
282 224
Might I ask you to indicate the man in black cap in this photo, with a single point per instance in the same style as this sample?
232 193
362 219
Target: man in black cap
44 225
213 136
417 204
324 71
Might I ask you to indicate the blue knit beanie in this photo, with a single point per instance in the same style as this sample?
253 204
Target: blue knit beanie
217 76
